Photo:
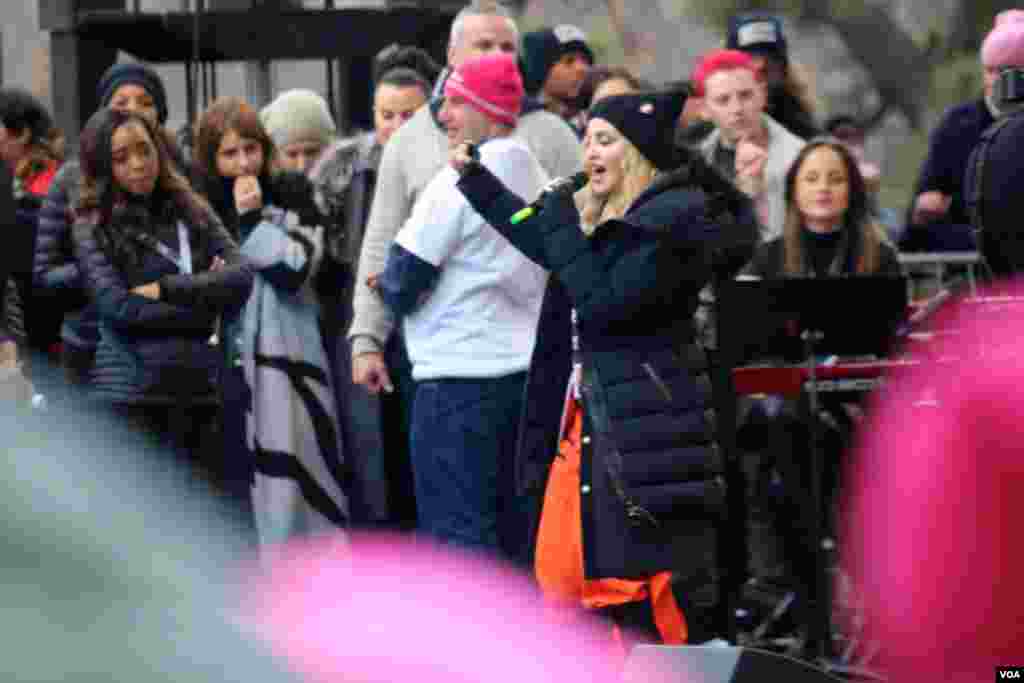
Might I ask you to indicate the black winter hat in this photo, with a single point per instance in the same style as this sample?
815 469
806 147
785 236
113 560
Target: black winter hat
541 49
759 34
648 120
136 74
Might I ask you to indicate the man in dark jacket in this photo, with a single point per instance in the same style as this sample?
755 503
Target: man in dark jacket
938 219
995 172
554 62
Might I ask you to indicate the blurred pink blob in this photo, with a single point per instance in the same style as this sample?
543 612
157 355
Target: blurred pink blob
936 504
384 608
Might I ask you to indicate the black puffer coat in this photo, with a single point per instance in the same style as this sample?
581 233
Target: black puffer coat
55 269
634 286
157 351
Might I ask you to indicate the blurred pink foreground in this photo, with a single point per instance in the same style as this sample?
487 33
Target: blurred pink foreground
937 500
384 608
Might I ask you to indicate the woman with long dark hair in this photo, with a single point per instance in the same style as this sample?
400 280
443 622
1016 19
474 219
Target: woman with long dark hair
280 417
629 475
160 268
829 231
127 87
829 228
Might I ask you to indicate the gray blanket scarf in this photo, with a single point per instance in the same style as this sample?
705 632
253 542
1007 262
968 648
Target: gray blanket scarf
292 426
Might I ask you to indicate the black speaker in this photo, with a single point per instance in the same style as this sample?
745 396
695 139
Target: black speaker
716 664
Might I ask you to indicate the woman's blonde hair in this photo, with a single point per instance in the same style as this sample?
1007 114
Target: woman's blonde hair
637 174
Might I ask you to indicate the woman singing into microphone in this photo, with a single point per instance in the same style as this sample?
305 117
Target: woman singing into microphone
614 429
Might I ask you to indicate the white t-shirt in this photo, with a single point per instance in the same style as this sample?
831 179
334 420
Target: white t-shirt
480 319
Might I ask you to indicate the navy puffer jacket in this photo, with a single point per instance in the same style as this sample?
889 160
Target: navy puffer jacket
54 268
634 286
157 351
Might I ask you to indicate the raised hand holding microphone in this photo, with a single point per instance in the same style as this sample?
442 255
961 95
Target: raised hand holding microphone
465 155
569 185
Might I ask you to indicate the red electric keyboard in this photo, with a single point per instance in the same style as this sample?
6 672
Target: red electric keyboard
865 376
856 376
791 380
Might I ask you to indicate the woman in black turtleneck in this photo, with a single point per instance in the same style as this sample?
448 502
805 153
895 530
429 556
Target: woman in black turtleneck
829 229
828 232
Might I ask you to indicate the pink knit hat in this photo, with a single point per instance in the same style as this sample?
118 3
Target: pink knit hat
1004 45
492 84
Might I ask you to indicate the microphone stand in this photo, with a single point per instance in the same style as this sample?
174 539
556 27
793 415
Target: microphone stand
819 596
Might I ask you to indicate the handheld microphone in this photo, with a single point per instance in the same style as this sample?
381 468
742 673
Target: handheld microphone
573 183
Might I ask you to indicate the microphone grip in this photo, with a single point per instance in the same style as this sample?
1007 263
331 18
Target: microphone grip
572 184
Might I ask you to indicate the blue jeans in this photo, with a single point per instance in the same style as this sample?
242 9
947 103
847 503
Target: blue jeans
463 442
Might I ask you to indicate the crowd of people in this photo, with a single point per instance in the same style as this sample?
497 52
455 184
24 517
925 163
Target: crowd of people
488 319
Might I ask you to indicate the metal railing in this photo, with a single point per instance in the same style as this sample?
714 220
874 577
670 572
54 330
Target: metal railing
938 265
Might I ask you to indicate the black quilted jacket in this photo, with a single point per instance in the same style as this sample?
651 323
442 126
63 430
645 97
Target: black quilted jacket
157 351
634 286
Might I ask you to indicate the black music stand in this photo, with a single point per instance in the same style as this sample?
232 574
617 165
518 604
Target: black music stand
794 320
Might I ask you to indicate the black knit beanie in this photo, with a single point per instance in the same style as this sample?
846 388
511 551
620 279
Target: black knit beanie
648 120
542 49
136 74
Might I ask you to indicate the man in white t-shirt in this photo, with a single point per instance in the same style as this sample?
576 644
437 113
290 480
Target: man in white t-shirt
470 303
